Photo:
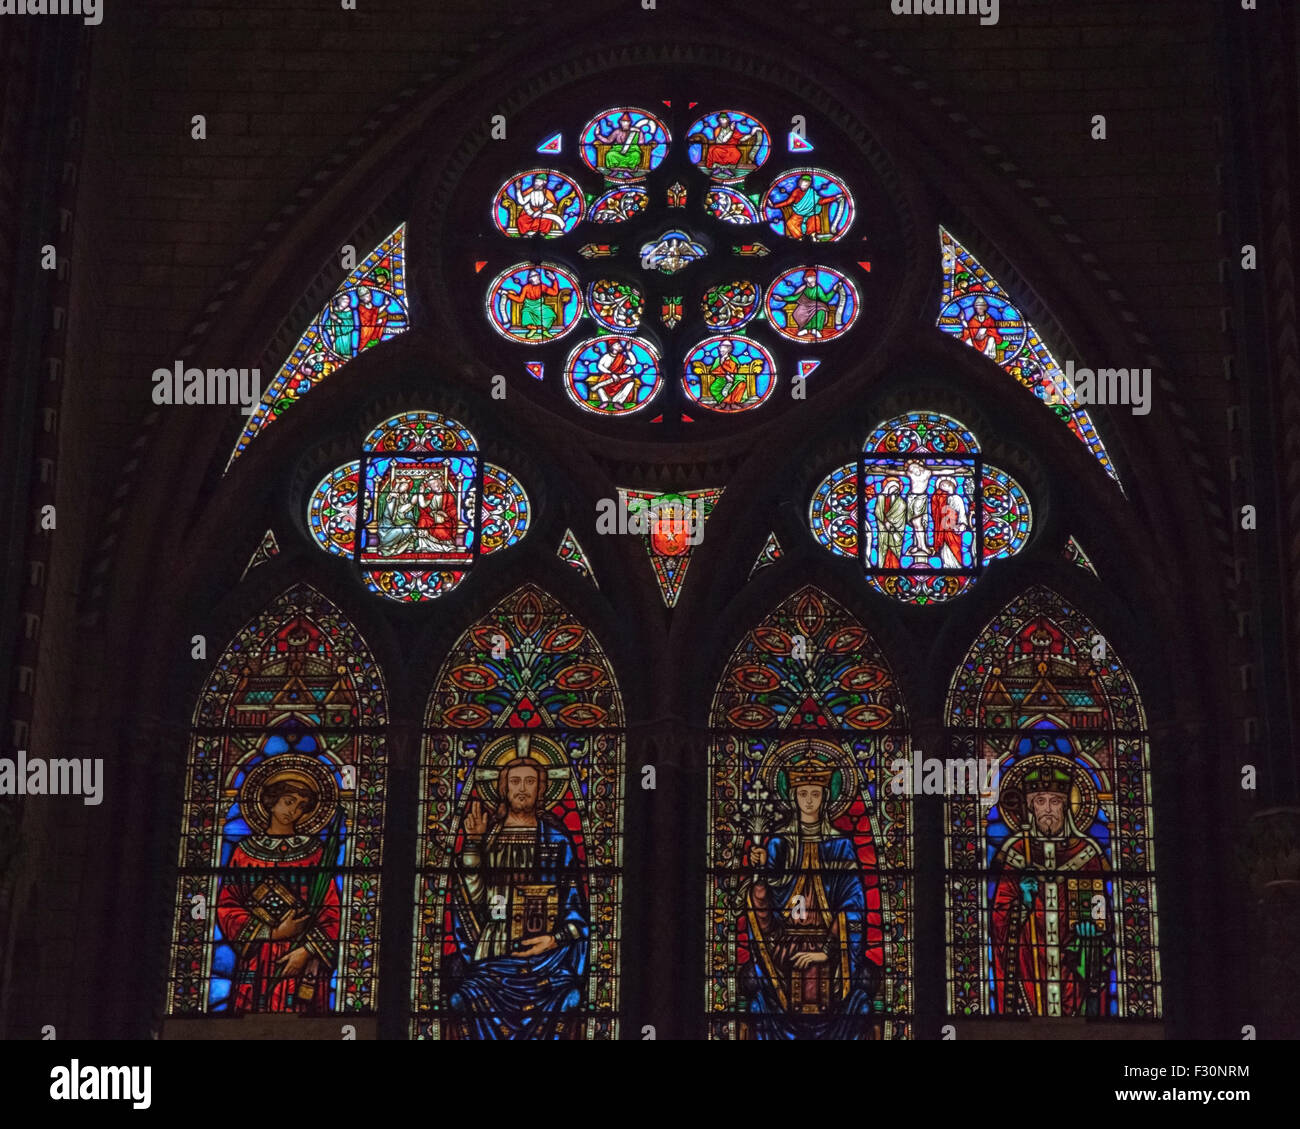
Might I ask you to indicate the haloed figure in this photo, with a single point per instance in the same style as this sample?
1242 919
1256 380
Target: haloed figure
1051 949
277 911
809 976
519 915
436 509
372 312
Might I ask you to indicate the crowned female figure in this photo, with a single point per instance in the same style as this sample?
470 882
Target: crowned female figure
810 975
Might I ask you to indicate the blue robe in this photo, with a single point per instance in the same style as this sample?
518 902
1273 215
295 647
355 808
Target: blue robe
830 880
518 997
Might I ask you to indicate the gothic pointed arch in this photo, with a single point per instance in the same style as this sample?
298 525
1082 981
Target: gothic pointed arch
809 855
852 338
278 893
526 691
1051 880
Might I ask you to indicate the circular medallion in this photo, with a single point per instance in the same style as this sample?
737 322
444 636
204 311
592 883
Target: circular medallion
538 202
812 304
729 305
624 143
534 304
619 204
730 206
617 306
729 374
612 375
809 204
727 145
988 323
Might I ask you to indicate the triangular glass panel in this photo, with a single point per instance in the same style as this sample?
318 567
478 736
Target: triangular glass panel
571 553
976 310
673 525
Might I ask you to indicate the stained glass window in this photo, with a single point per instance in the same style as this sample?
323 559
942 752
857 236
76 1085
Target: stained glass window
539 201
770 553
368 308
809 204
728 145
619 204
1073 552
921 509
624 143
612 376
520 892
729 374
277 903
660 332
267 548
809 881
976 310
429 507
812 303
730 206
572 554
1051 891
533 304
673 525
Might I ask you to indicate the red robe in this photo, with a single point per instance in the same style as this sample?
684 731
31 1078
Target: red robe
531 291
945 524
528 224
723 152
374 320
257 985
980 332
616 367
1028 949
444 530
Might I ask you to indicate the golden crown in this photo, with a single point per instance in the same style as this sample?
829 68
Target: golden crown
809 768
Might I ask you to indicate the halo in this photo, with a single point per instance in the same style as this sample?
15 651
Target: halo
1011 790
503 750
844 783
308 771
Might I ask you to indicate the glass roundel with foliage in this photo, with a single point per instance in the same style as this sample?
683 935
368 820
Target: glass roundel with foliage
418 508
921 510
278 895
1051 873
809 855
668 263
520 890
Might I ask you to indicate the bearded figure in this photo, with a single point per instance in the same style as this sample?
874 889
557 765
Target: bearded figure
1050 916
